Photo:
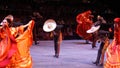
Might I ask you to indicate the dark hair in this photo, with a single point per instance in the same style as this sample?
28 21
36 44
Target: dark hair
10 22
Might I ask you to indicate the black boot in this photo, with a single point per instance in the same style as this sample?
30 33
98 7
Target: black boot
95 63
56 56
101 64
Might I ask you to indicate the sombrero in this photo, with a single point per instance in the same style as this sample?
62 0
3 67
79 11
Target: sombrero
93 29
49 25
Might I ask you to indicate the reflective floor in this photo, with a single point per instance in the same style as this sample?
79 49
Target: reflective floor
73 54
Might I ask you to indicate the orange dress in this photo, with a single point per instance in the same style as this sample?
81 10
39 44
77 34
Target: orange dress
22 58
113 50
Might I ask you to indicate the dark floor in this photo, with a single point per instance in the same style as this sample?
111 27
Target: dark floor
74 54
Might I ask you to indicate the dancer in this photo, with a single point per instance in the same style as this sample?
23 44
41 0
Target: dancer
99 22
15 50
102 36
85 22
55 29
37 18
113 51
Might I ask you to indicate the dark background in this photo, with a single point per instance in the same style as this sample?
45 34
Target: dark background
61 8
65 10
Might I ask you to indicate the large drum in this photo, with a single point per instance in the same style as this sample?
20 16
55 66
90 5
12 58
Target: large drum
84 24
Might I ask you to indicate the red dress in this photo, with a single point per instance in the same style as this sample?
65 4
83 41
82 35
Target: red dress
84 23
8 46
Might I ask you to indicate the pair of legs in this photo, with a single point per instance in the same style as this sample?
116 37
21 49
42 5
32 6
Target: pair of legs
56 47
94 39
107 42
35 34
99 54
57 50
94 44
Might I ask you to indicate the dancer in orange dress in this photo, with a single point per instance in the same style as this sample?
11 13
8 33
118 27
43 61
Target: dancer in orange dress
17 56
113 50
8 45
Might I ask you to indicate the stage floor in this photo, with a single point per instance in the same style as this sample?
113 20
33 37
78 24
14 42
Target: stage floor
73 54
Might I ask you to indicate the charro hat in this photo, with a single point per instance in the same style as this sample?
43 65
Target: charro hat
93 29
49 25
